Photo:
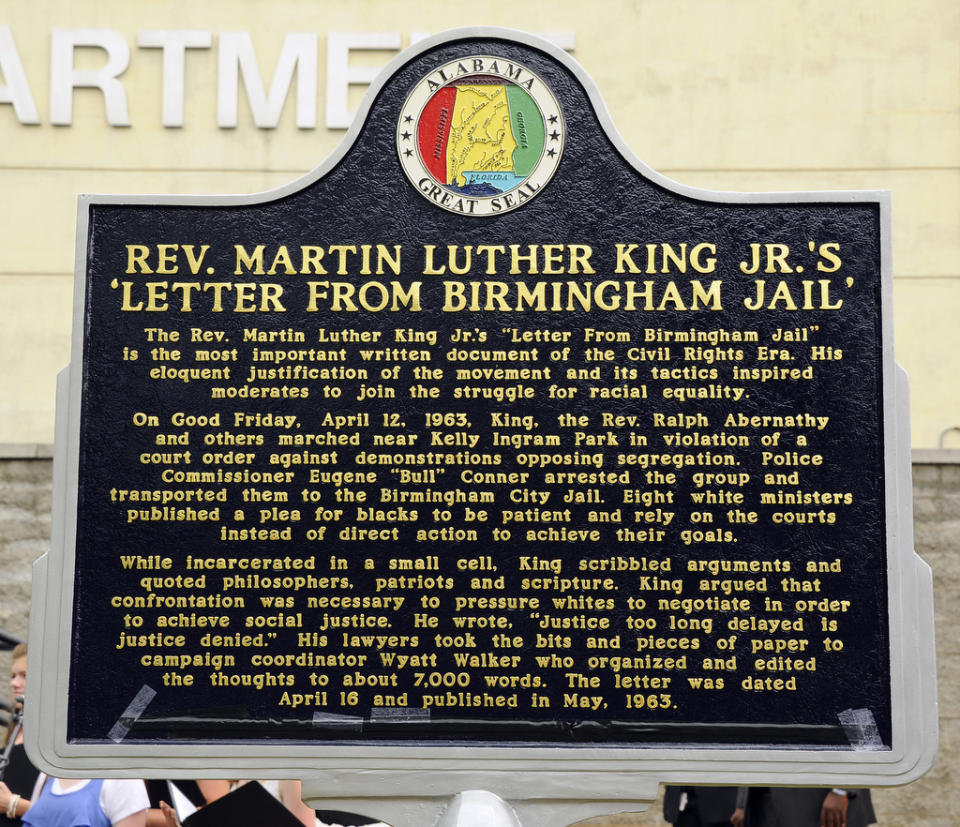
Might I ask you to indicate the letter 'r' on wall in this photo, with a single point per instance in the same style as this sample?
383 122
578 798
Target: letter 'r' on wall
64 77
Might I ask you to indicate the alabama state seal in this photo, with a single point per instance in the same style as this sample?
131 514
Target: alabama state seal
480 136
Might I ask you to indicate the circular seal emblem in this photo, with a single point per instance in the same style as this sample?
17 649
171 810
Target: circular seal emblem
480 136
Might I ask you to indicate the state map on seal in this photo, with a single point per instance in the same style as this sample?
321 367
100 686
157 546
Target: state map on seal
480 136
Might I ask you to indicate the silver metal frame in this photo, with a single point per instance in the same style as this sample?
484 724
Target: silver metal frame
404 783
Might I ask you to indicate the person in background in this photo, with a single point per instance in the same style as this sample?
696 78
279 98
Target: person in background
20 775
289 793
57 802
272 802
169 815
112 802
199 793
702 806
276 798
808 807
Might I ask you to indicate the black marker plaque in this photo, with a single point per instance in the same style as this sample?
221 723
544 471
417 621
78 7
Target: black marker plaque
484 435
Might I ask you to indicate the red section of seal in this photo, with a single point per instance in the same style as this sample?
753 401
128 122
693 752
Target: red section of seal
433 132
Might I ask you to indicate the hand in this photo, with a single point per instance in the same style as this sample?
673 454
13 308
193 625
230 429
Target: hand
5 796
833 813
169 814
737 818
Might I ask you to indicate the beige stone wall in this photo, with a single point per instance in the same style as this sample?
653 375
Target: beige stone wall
735 95
933 801
25 493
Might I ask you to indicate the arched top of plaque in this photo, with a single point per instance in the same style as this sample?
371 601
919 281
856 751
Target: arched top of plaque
484 456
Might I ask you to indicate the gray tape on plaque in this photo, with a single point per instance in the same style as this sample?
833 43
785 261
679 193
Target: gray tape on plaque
399 713
861 729
134 710
330 719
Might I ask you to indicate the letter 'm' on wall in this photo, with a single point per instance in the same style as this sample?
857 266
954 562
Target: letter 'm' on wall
237 57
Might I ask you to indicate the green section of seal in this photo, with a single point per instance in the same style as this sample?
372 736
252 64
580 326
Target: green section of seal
528 130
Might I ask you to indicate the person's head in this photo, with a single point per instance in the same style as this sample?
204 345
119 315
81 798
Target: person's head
18 670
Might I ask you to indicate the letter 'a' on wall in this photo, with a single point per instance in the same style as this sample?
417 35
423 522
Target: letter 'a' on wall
483 457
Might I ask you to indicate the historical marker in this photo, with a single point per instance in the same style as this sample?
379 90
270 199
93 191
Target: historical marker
486 435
